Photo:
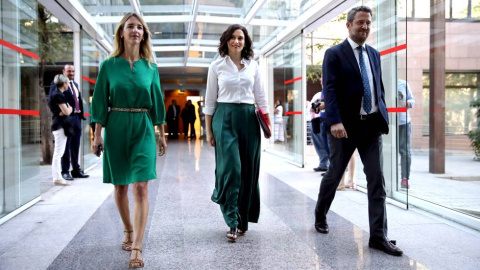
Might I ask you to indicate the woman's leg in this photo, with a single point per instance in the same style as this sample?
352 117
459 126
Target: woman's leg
59 149
140 214
121 200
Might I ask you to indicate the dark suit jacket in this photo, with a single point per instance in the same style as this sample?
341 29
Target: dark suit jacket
69 96
170 113
343 86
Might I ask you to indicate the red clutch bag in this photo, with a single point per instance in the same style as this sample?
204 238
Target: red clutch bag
262 121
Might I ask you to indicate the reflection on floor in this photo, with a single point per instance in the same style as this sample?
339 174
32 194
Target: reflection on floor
77 227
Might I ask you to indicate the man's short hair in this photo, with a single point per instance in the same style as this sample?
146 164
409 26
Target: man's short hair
353 12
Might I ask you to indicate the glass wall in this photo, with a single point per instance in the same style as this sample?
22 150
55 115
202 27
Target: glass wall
444 84
19 88
431 74
92 56
285 79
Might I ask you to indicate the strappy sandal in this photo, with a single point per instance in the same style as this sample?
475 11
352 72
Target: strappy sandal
127 245
232 235
137 261
240 232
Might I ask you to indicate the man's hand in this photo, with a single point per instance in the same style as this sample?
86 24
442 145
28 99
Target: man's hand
338 131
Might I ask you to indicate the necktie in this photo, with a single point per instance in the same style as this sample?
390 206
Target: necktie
77 107
367 94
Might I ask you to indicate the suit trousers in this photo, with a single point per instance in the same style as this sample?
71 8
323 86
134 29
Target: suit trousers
73 147
368 141
237 157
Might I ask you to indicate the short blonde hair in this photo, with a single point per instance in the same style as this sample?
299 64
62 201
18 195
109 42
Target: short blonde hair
145 44
60 79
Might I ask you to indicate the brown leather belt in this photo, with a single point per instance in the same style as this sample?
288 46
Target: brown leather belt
130 110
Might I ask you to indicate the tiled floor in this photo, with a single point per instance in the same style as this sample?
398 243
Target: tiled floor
77 227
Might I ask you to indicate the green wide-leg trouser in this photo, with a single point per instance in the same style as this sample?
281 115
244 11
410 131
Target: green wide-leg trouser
237 157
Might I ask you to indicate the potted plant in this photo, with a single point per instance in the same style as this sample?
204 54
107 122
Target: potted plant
474 135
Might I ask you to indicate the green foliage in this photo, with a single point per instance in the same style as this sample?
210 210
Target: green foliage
54 39
314 71
474 135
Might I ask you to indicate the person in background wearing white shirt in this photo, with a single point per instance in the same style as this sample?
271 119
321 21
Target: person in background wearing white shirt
405 99
233 87
278 122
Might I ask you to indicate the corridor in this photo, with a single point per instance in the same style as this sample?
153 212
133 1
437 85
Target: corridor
78 227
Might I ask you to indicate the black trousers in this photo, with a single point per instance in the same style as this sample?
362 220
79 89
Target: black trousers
173 128
73 147
365 137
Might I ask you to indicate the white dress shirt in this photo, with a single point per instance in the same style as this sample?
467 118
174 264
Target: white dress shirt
369 73
229 85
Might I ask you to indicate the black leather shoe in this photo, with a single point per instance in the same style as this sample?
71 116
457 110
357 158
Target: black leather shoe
318 169
385 245
321 227
79 174
67 176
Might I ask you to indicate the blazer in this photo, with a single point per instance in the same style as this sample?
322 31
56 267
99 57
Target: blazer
69 96
343 87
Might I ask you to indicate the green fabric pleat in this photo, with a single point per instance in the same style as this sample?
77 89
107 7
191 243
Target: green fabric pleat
237 157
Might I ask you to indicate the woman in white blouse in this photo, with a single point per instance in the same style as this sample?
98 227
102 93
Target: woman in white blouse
234 85
278 122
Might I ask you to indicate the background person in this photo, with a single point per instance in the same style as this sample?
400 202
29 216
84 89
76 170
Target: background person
74 99
317 123
278 121
173 118
129 83
233 129
201 115
405 99
60 109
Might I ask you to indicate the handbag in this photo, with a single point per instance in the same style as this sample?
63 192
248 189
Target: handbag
68 126
263 123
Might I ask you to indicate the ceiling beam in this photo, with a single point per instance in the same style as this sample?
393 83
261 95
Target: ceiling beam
135 6
191 29
253 11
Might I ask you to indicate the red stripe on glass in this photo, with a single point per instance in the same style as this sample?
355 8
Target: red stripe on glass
394 49
89 80
397 110
18 112
293 80
18 49
289 113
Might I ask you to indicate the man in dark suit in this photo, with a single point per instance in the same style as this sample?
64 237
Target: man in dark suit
74 99
357 117
172 118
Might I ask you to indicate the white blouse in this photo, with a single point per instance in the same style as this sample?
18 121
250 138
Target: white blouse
228 84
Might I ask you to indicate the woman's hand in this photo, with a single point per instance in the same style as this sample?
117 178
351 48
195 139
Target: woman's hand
61 114
162 145
210 138
97 141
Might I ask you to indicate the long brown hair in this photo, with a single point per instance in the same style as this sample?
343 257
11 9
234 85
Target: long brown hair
247 51
145 44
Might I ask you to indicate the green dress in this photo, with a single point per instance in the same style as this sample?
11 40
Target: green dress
129 139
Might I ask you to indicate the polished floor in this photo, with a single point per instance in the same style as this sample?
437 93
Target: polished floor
77 227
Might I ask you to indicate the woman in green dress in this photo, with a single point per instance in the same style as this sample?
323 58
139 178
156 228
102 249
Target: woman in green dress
234 85
129 85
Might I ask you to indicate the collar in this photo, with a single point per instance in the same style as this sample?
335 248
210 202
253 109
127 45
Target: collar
243 61
354 45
